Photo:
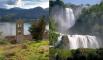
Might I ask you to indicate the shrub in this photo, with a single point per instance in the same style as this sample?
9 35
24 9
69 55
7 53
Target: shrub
78 54
3 42
37 29
2 57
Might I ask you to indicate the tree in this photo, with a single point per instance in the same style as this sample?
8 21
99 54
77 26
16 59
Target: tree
52 24
42 25
52 35
37 29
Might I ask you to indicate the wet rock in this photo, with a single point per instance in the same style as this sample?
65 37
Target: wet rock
65 41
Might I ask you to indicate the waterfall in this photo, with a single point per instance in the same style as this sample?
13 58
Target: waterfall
70 19
80 41
65 19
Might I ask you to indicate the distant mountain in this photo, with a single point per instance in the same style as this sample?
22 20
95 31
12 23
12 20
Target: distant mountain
11 15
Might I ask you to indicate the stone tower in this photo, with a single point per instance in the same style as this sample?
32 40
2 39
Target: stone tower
19 30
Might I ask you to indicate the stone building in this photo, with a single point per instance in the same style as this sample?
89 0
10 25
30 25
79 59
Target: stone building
19 30
20 33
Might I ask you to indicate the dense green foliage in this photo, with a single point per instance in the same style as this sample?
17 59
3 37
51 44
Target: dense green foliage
57 2
52 35
37 29
79 54
3 42
53 38
90 21
52 25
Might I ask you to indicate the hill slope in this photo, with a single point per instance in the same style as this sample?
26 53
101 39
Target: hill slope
16 13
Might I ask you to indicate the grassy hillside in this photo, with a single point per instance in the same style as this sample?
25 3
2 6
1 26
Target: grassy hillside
29 50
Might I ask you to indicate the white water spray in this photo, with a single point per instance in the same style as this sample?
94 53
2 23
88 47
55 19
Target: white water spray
70 19
80 41
65 20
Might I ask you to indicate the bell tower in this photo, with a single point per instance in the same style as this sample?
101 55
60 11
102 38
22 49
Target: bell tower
19 30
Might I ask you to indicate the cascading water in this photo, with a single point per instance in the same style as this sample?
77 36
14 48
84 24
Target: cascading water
80 41
70 19
65 19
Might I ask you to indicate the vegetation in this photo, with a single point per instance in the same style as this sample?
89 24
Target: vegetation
79 54
3 42
90 21
52 3
52 35
37 29
29 50
12 15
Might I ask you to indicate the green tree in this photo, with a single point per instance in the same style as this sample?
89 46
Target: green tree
52 24
52 35
37 29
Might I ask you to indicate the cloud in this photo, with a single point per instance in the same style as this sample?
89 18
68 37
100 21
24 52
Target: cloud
25 4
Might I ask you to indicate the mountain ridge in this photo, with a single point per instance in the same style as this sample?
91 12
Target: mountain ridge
11 15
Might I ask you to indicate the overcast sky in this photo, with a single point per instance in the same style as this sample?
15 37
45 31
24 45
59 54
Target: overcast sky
78 2
26 4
